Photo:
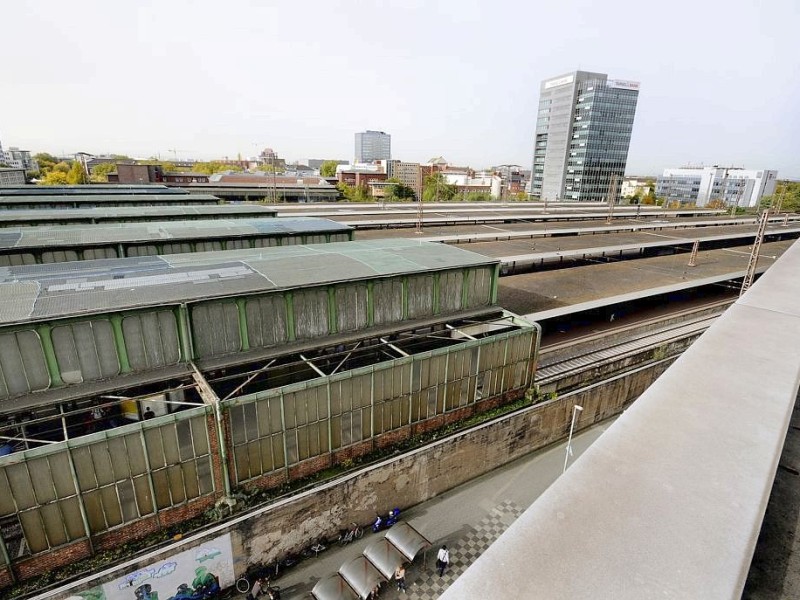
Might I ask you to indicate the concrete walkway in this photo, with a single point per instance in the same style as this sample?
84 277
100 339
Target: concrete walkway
467 519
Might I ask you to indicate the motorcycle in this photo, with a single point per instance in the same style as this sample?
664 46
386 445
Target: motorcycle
386 522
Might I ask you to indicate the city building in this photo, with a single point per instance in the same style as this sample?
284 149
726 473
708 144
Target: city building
632 186
583 131
360 174
267 158
515 178
408 173
482 183
727 186
373 145
18 159
11 177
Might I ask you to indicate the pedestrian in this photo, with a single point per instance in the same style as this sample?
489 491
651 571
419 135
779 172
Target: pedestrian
148 413
400 576
442 560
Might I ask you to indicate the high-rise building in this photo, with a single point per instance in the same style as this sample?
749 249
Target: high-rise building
583 131
716 185
373 145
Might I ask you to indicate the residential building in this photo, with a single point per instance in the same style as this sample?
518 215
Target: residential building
583 131
483 182
11 177
407 173
373 145
267 158
730 186
515 178
631 186
137 174
18 159
360 173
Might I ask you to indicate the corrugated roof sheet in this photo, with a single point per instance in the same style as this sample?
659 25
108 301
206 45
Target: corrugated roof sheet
41 292
56 214
52 236
11 199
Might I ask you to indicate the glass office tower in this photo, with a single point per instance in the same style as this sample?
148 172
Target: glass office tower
373 145
583 131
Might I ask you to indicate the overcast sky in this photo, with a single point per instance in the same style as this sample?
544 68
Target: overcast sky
719 80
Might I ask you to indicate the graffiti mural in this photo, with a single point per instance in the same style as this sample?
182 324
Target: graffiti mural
194 574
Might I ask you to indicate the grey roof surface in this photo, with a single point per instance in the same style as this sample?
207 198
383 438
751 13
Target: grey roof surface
6 200
51 236
69 190
41 292
123 212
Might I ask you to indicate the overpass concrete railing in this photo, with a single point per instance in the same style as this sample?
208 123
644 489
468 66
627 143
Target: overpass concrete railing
669 502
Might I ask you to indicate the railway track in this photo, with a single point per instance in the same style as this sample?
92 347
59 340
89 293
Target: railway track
579 354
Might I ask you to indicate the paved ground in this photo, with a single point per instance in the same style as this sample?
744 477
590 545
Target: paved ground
468 519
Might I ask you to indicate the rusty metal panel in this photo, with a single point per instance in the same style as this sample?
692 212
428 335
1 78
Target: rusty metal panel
420 296
479 287
215 327
387 301
351 307
310 313
22 365
266 320
85 351
450 284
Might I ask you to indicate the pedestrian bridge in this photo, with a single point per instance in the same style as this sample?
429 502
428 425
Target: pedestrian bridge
669 502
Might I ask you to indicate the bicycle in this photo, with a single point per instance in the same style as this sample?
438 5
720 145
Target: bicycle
348 535
243 586
264 572
314 549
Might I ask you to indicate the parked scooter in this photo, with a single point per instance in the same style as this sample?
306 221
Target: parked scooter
387 521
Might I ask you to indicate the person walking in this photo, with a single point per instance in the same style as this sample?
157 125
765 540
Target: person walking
442 560
400 576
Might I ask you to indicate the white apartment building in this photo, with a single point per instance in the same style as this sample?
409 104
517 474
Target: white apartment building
18 159
702 185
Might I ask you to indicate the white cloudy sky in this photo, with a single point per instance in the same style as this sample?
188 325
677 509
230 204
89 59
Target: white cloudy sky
719 79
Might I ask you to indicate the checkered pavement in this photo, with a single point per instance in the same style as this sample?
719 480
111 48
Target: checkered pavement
423 581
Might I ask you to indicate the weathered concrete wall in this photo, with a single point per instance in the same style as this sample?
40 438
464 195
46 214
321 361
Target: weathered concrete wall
407 480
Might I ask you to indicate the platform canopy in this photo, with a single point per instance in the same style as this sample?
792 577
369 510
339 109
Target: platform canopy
362 576
407 540
333 588
385 557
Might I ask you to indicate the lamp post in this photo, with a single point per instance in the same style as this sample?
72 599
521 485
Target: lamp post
575 410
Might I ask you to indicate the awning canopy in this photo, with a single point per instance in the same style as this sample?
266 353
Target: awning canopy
362 576
407 540
333 588
385 557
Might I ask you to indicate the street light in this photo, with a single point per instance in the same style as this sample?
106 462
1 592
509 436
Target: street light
575 410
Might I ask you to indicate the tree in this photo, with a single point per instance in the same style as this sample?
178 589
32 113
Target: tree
398 191
209 168
46 162
76 174
520 196
477 197
436 189
62 167
354 193
100 172
787 196
54 178
328 168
